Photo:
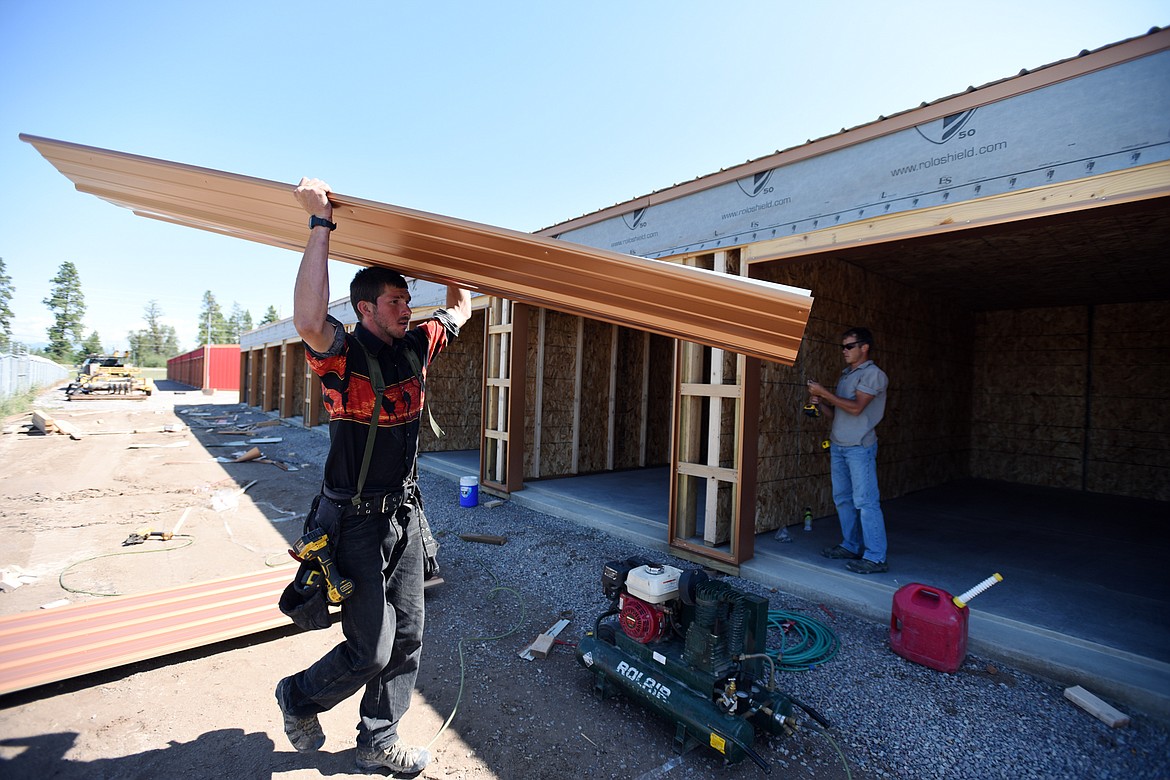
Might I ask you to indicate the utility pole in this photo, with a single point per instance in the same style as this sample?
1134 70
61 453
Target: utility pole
207 353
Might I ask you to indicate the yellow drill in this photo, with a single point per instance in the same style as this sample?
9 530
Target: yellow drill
314 547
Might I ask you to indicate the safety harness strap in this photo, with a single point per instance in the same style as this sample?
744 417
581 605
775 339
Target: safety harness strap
416 365
379 385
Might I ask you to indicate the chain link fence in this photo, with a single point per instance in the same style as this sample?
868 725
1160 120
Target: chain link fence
22 372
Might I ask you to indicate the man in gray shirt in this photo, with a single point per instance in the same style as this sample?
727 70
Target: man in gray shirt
855 409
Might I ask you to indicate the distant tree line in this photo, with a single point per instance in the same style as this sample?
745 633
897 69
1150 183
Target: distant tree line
149 346
216 328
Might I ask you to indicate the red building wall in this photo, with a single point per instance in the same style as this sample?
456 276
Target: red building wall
214 367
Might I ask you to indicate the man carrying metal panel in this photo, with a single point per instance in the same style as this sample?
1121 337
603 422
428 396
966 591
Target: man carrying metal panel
370 507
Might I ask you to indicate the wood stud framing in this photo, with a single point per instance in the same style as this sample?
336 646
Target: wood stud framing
505 363
702 427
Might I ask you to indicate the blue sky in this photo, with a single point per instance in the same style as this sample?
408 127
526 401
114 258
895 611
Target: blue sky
520 115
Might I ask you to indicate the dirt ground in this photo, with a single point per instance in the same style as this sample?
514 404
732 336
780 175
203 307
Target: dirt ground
69 504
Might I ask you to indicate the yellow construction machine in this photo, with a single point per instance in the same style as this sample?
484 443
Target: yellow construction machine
109 376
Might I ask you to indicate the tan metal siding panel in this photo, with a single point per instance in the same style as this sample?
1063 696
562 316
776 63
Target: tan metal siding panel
742 315
49 645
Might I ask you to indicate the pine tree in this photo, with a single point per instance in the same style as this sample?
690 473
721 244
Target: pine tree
152 345
214 328
6 291
91 346
240 321
67 303
269 316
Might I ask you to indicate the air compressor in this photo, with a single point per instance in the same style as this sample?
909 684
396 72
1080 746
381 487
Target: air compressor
692 649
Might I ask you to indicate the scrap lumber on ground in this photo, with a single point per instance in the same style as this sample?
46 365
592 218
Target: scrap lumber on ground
46 424
1092 704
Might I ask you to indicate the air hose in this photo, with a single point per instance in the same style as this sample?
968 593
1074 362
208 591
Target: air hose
187 540
463 662
805 642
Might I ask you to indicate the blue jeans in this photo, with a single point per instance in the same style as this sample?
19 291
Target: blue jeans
382 623
855 492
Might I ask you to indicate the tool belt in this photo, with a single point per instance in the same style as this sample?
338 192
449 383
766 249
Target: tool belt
386 503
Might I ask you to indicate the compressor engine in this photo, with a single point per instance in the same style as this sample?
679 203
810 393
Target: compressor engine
644 602
692 649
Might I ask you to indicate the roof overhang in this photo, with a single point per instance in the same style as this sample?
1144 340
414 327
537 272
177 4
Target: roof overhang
730 312
1093 241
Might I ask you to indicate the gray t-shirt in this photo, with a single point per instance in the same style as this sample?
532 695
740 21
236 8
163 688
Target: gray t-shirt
852 430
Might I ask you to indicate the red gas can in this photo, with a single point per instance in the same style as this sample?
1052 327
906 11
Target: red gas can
926 627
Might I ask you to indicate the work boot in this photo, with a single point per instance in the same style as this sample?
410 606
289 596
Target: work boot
866 566
398 758
838 552
305 733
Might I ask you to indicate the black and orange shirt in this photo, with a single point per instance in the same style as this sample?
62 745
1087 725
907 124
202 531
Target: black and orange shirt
349 397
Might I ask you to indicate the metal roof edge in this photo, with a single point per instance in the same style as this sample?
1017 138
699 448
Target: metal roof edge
1155 40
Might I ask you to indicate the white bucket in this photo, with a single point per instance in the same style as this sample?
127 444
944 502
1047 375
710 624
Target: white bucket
468 491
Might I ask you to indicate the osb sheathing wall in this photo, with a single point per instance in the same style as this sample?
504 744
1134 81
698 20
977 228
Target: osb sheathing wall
1074 398
597 363
559 374
555 407
531 374
633 417
922 343
272 367
628 400
660 402
294 369
454 390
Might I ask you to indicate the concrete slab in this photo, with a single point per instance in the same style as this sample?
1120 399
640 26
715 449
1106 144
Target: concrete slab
1085 587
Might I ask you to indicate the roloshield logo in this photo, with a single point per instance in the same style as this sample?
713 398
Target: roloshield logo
754 185
946 128
635 219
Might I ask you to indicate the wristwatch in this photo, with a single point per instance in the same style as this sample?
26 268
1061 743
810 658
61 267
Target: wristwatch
316 221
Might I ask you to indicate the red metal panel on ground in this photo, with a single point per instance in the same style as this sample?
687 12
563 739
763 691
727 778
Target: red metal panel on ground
50 645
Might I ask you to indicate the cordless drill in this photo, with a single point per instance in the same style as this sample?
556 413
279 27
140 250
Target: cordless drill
314 547
812 409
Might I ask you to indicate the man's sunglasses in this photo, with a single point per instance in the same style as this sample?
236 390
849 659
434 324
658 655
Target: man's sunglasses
851 345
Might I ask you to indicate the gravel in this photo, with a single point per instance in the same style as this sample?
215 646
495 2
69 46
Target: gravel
891 717
512 718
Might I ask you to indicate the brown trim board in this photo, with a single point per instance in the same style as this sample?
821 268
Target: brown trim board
743 315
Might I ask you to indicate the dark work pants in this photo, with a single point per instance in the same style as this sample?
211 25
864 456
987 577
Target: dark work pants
382 622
